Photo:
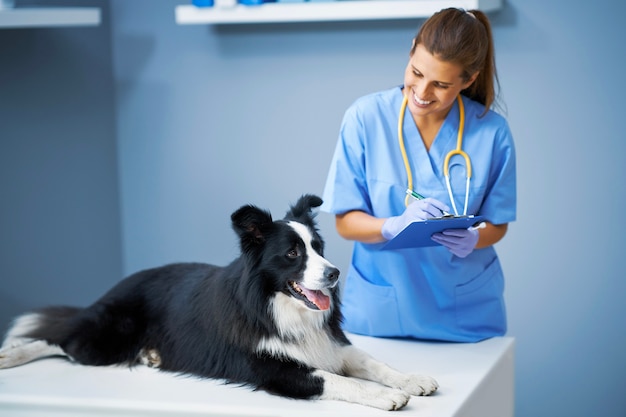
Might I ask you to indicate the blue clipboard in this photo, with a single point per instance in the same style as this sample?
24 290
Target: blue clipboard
417 234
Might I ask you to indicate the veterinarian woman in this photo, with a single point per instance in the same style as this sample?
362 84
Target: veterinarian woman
452 291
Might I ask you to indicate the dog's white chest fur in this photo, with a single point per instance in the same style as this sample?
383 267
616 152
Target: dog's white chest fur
302 336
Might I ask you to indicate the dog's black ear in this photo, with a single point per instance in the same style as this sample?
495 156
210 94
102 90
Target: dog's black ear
302 210
251 224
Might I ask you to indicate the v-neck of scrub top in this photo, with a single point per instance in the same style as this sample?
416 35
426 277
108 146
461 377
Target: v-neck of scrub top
426 175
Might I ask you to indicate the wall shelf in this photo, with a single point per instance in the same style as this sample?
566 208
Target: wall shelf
324 11
32 17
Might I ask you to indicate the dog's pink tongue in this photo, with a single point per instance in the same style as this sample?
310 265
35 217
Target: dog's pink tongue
321 300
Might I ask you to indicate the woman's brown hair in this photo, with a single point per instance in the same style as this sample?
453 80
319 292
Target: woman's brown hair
463 38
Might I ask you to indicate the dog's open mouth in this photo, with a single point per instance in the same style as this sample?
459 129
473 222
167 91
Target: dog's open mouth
314 299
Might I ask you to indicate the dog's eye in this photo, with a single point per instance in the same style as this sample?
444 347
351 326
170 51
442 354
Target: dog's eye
292 254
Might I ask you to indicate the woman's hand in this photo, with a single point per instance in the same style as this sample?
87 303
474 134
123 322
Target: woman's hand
461 242
418 210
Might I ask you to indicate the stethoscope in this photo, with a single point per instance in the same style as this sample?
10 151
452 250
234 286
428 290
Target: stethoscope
446 161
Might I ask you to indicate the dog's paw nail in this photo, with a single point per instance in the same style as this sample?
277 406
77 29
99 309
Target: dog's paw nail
420 385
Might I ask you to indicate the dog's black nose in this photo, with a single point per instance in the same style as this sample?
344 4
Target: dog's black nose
331 273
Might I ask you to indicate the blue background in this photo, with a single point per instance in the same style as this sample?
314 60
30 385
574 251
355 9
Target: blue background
128 145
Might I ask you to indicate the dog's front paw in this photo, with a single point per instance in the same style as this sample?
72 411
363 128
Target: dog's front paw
388 399
420 385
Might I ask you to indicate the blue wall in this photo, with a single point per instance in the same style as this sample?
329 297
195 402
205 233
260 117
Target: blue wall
60 235
208 118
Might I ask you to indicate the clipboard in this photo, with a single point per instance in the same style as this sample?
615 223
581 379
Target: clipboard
417 234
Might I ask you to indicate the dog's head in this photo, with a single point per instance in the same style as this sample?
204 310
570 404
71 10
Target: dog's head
288 255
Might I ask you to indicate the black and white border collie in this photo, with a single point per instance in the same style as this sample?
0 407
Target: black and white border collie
269 320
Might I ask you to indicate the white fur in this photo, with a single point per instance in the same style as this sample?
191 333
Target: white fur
316 264
21 326
392 391
18 349
359 364
301 335
337 387
293 319
27 352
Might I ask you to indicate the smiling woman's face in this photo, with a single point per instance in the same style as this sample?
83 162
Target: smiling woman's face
432 84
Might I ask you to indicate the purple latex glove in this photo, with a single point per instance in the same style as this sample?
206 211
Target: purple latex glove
461 242
418 210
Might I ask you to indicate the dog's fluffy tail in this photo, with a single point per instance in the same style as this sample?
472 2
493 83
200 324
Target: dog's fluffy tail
36 335
49 324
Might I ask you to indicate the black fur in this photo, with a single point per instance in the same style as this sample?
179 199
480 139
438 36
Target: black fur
203 319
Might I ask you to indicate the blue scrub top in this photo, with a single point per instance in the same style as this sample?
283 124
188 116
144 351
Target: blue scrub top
424 293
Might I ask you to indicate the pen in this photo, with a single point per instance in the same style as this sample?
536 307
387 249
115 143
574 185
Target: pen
414 194
418 196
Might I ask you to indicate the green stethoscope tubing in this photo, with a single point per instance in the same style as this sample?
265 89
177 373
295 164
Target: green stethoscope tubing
446 162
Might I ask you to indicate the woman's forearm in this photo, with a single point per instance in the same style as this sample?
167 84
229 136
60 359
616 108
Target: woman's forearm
363 227
491 234
360 226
